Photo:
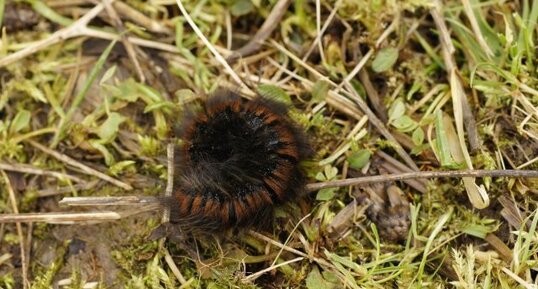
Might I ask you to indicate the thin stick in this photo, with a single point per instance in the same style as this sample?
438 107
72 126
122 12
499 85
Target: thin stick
265 30
518 279
371 52
381 127
134 200
262 237
424 175
173 267
211 48
108 201
134 40
126 43
27 169
417 184
166 214
261 272
295 58
170 181
73 30
15 209
60 217
357 68
394 166
140 18
81 166
318 31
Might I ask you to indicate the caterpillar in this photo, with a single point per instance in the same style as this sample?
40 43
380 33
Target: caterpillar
239 159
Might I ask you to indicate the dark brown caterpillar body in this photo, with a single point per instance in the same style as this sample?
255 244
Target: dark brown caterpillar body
239 159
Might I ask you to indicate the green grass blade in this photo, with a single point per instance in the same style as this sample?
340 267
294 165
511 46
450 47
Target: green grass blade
82 93
49 13
436 230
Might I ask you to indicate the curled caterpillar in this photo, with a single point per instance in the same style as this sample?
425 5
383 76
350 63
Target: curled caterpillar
238 160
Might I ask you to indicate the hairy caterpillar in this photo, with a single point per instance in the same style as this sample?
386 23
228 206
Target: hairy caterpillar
238 160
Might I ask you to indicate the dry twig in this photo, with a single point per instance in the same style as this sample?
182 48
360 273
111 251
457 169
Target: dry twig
211 48
15 209
423 175
128 45
265 31
381 127
81 166
27 169
166 214
75 29
134 200
60 217
140 18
